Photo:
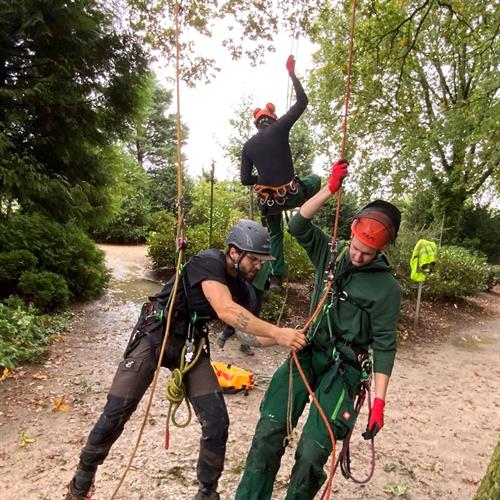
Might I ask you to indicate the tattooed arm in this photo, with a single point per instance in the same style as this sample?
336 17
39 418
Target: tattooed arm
254 341
240 318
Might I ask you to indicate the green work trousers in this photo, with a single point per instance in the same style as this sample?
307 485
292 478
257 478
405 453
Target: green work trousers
272 218
335 393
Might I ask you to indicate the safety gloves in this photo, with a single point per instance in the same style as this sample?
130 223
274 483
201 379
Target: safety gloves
339 171
376 419
290 65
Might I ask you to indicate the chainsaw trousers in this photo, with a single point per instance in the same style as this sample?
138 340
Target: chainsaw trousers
272 218
335 393
134 375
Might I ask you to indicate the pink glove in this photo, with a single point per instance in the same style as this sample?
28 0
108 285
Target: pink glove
290 65
339 171
376 421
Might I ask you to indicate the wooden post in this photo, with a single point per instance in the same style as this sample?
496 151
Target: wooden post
419 296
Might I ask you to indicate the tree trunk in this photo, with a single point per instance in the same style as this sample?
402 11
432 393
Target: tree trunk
489 489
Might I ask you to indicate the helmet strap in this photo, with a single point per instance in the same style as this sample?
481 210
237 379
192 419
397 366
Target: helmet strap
237 264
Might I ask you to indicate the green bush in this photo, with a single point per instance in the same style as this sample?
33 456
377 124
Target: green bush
25 333
45 290
272 306
493 278
457 273
63 249
162 246
12 265
297 261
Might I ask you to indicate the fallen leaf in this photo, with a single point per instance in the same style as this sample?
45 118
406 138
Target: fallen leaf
5 374
25 439
39 376
58 404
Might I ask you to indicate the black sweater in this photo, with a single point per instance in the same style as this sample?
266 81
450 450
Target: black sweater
269 150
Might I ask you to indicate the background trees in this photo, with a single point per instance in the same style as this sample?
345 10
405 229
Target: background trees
425 99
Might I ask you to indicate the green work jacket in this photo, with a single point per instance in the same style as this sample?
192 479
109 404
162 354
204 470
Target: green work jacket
363 309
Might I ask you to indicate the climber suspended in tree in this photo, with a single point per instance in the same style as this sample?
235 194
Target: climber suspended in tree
276 185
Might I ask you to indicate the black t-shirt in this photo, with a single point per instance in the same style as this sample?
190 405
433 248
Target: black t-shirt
206 265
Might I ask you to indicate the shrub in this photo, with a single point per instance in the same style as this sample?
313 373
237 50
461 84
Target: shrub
162 246
272 305
24 333
12 265
63 249
45 290
493 278
296 258
458 272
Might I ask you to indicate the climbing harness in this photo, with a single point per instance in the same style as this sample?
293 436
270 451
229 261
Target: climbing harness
269 195
331 266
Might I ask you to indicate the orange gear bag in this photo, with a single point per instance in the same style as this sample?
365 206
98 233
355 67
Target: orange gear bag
233 379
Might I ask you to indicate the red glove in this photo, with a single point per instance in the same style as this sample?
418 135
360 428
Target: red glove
290 65
376 419
339 171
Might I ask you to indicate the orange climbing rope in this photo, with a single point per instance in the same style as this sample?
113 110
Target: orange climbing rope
329 283
180 249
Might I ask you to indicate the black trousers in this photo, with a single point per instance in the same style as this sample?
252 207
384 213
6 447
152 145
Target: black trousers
134 375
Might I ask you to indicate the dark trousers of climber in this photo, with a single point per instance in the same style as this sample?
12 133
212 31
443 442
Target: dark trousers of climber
335 393
272 218
134 375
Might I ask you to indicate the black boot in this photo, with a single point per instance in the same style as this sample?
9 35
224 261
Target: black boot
207 492
75 494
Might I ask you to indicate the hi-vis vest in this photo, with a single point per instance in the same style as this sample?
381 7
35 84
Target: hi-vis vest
422 259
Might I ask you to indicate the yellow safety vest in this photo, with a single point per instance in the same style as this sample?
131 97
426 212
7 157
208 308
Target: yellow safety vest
423 256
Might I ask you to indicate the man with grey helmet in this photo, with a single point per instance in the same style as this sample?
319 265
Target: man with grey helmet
213 285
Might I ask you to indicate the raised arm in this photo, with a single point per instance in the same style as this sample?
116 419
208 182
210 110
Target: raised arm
238 317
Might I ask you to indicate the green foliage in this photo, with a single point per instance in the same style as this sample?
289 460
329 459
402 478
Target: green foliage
272 307
25 333
493 278
13 264
457 273
490 485
162 246
132 214
297 260
70 87
397 490
425 98
230 201
45 290
302 146
63 249
480 231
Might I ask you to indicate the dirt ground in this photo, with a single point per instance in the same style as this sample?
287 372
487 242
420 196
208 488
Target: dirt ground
442 415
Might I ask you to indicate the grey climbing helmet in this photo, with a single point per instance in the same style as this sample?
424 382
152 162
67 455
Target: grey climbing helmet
249 236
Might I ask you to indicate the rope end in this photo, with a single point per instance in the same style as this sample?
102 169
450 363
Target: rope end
167 439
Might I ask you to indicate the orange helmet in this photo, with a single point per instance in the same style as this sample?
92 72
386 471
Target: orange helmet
377 224
269 110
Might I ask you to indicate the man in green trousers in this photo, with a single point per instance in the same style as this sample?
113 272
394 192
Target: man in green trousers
361 312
